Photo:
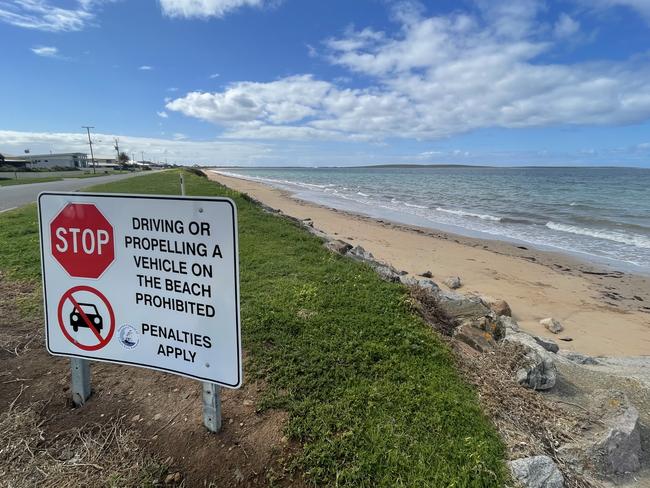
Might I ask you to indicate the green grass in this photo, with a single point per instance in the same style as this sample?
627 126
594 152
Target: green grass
25 181
371 393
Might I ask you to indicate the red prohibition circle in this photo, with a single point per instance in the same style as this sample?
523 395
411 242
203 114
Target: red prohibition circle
68 295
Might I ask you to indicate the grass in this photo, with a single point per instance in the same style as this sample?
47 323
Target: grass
372 394
25 181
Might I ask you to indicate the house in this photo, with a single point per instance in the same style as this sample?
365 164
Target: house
53 160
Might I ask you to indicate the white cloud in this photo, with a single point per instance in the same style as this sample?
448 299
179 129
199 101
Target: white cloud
145 67
46 51
162 114
566 26
640 6
43 15
204 8
172 89
437 76
214 75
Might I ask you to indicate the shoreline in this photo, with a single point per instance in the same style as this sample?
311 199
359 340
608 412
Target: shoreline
605 312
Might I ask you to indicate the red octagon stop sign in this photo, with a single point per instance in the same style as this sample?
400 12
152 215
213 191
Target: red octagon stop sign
82 240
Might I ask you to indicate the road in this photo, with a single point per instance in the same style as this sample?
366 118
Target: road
18 195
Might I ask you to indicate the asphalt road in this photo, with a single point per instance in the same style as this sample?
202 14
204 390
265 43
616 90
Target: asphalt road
18 195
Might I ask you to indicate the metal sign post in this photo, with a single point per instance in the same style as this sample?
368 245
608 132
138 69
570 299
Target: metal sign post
80 381
211 391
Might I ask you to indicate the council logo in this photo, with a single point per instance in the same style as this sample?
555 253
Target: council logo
129 337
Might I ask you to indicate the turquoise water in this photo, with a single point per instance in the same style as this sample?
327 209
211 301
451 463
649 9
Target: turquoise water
602 214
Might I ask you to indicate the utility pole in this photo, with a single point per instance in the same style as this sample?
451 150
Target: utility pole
90 143
117 149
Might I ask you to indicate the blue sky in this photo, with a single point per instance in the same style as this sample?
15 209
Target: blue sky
336 82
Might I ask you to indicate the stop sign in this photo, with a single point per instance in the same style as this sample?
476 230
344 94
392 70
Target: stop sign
82 240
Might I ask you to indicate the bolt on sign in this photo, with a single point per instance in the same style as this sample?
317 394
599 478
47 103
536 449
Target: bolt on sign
145 281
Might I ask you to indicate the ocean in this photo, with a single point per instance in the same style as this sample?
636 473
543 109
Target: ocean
598 214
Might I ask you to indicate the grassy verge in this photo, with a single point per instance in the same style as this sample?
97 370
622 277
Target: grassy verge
25 181
372 394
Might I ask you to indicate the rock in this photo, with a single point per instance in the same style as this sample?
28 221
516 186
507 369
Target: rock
552 325
536 372
457 306
581 358
453 282
360 254
428 285
408 280
427 274
498 306
489 324
509 323
308 222
537 472
338 246
158 416
475 338
621 446
547 344
566 339
248 403
387 273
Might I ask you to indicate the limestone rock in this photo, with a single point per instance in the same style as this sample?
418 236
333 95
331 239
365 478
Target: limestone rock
338 246
453 282
547 344
498 306
360 254
457 306
621 446
408 280
537 372
428 285
581 358
537 472
475 338
387 273
490 324
509 323
552 325
427 274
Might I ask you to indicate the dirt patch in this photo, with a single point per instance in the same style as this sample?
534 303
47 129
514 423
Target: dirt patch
140 427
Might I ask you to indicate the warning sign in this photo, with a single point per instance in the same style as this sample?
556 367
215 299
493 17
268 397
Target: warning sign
148 281
86 318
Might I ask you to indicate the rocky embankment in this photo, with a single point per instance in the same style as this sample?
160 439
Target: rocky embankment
567 419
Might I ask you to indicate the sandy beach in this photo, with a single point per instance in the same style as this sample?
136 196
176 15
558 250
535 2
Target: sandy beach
604 312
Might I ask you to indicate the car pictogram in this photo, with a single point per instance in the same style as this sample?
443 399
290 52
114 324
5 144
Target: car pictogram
77 319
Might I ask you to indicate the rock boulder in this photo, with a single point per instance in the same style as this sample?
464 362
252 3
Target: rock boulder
453 282
536 372
552 325
537 472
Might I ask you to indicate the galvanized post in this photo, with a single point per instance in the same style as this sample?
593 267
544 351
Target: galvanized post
212 406
211 391
80 381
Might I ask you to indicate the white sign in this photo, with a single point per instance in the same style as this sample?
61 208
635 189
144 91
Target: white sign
141 280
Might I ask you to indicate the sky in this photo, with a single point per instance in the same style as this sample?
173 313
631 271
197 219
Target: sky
330 83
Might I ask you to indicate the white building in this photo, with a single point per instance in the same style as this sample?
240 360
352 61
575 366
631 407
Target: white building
61 160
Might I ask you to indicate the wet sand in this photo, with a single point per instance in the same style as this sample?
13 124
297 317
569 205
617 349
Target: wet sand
604 312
